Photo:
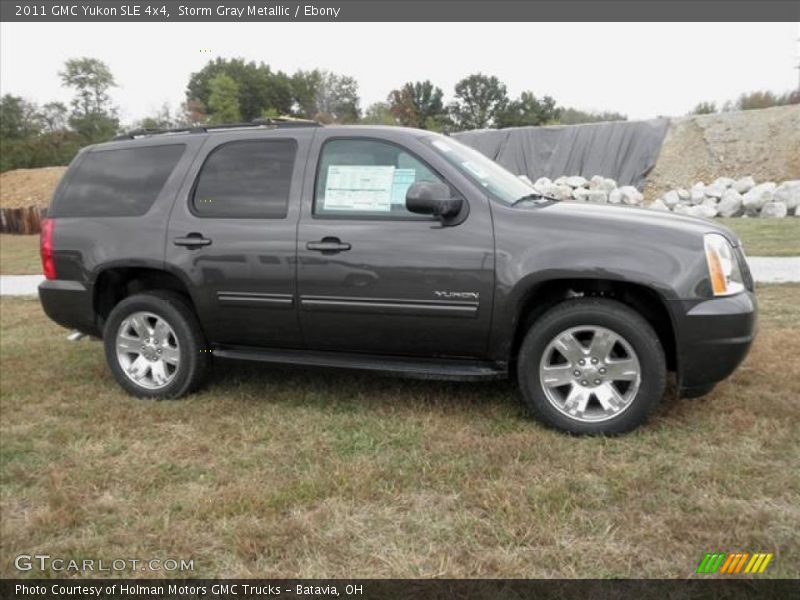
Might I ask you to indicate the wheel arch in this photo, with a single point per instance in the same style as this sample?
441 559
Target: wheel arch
544 295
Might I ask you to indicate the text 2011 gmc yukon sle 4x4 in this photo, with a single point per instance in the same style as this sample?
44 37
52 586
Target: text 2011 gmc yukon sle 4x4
386 249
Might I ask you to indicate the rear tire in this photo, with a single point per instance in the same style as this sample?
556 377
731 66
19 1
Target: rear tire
591 366
155 347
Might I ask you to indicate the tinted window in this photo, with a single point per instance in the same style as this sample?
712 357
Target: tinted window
367 178
248 179
118 183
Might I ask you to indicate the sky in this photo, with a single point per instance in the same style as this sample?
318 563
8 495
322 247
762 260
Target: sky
643 70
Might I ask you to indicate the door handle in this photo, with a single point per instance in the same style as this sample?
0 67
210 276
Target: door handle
328 245
192 240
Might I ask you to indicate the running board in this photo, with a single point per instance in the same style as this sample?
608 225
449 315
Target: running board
434 368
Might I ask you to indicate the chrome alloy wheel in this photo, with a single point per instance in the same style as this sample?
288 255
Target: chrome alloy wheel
590 374
148 350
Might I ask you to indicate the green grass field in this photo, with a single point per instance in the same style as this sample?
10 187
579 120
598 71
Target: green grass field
311 473
19 254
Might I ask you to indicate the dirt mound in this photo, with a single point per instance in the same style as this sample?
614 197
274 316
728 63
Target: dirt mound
29 187
764 144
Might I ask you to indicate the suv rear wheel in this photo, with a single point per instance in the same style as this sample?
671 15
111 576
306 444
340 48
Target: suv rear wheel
155 347
591 365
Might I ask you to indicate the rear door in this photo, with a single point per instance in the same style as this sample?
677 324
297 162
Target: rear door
374 278
232 237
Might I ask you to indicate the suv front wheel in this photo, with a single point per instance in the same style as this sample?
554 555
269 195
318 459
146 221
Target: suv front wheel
154 346
591 365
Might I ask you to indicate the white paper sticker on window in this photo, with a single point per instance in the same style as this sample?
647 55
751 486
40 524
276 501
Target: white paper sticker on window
359 188
403 178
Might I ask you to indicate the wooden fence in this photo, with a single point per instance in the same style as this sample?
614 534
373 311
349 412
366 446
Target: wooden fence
25 220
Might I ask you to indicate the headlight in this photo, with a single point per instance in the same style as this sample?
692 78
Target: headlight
723 268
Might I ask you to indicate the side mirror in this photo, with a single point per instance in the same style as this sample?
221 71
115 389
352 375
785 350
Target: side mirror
432 198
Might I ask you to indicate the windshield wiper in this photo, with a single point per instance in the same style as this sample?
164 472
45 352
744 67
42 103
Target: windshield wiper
535 196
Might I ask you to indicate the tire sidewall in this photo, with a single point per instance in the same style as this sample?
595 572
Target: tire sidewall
619 319
182 328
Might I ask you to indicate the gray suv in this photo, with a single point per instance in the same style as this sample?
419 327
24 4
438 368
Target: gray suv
385 249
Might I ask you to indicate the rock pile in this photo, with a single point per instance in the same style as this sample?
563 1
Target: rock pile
724 197
598 190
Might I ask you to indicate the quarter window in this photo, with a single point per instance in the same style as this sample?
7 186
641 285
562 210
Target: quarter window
367 178
248 179
118 183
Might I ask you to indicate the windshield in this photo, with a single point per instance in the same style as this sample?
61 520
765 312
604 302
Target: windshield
502 184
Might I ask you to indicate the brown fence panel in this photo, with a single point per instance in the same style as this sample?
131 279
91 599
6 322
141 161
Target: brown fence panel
26 220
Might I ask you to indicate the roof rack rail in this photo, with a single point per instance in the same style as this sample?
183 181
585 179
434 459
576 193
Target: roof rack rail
269 123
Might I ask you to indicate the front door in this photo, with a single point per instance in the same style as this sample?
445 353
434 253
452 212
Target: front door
375 278
232 235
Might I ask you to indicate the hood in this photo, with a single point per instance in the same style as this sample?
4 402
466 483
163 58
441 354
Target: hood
635 218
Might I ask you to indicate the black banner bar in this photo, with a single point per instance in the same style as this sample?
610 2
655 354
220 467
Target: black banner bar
381 589
401 10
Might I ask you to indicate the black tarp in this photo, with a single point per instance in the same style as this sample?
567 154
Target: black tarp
622 150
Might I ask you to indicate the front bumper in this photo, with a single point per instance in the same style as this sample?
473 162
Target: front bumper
713 338
69 303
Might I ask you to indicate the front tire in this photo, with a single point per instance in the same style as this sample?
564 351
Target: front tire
591 366
155 347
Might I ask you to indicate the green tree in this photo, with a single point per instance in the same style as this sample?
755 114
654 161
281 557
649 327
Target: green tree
259 88
93 116
223 101
18 118
54 116
479 100
378 113
417 104
574 116
325 96
704 108
528 110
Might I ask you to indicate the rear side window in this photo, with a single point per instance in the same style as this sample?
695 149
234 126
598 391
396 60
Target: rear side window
246 180
118 183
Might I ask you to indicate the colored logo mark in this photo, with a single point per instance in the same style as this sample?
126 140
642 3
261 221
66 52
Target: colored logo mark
735 563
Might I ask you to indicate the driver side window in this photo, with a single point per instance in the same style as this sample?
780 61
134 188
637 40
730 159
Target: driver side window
367 178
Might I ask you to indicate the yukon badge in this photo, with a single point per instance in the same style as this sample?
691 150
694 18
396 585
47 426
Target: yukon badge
457 295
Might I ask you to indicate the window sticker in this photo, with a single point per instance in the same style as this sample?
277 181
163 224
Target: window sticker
359 188
403 178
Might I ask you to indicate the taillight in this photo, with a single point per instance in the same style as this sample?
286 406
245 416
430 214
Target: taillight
46 248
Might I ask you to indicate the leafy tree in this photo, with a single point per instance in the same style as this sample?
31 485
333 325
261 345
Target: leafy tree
704 108
162 119
378 113
574 116
93 116
763 99
18 118
259 88
417 104
325 96
479 100
527 110
223 101
54 116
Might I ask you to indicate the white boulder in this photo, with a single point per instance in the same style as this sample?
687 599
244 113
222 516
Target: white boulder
684 194
715 190
615 197
773 210
702 210
789 193
724 182
659 205
697 195
757 197
542 184
603 184
744 185
671 199
630 195
576 181
731 204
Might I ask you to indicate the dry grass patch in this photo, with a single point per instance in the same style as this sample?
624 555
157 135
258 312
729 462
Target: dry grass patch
310 473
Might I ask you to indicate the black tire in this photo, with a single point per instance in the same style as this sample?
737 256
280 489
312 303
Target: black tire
195 357
597 312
